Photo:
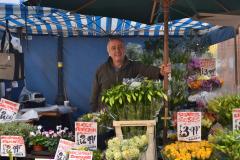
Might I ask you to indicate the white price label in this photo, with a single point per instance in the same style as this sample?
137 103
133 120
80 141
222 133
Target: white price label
189 126
86 134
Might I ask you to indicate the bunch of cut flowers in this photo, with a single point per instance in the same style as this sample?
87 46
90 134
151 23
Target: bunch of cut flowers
205 83
126 149
187 151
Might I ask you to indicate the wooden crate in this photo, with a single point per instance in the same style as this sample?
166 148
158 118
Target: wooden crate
151 125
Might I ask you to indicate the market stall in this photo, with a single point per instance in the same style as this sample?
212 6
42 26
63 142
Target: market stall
140 99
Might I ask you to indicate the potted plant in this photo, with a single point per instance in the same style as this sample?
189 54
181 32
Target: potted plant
48 140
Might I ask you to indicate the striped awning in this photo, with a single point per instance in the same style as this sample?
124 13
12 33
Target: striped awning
50 21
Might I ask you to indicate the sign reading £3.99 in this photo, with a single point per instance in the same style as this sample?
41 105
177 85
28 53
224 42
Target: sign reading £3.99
8 110
86 134
208 66
189 126
13 144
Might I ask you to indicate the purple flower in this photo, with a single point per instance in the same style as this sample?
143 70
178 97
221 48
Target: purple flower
207 85
194 64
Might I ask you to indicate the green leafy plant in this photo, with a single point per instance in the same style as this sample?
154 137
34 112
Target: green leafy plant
17 129
223 106
134 100
226 145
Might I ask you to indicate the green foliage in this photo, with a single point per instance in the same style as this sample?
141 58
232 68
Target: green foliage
227 145
178 84
223 106
138 100
17 129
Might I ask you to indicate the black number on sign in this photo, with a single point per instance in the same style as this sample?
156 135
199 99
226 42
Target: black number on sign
91 139
16 148
194 130
6 149
184 131
81 139
204 71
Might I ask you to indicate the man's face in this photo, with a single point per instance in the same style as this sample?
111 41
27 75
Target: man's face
116 50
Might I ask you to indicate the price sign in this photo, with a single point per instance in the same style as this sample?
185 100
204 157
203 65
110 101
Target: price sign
189 126
8 110
86 134
13 144
80 155
208 66
63 147
236 119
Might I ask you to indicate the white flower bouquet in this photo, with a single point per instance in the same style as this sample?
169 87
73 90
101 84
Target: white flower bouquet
127 149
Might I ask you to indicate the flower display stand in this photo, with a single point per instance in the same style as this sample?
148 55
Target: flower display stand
150 124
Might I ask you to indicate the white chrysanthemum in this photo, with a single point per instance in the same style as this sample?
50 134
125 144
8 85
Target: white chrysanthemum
109 154
118 155
134 153
126 154
114 143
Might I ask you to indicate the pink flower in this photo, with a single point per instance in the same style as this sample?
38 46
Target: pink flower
51 132
55 135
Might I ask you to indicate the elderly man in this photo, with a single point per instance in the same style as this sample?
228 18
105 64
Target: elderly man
117 67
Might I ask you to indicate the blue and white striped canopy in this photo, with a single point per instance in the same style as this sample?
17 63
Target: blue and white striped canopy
43 21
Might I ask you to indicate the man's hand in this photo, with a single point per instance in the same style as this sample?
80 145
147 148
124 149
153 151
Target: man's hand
165 69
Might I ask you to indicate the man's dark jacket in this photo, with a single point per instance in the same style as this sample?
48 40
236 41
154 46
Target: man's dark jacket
107 76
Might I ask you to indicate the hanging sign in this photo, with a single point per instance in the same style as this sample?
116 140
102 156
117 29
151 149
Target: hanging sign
8 110
208 66
189 126
236 119
14 145
63 147
86 134
80 155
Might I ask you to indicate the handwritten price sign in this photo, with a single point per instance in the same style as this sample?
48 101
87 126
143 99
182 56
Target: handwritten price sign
86 134
8 110
80 155
63 147
13 144
189 126
236 119
208 66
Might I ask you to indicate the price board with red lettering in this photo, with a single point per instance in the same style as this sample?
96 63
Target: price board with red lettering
8 110
189 126
236 119
80 155
13 144
63 147
86 134
208 66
